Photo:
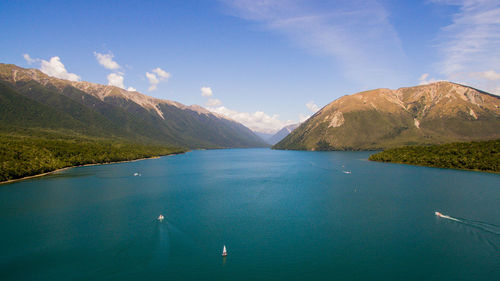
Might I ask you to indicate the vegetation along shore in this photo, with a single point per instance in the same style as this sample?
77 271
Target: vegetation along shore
479 156
22 156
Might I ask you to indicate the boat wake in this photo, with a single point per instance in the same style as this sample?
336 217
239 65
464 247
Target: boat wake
331 168
489 227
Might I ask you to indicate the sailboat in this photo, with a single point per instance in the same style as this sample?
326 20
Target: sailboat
224 252
160 217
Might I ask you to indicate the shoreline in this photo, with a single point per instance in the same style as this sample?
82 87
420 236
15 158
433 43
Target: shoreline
85 165
428 166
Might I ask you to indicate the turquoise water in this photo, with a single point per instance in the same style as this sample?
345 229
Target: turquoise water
283 215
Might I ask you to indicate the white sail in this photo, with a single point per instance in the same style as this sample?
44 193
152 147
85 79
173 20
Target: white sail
224 252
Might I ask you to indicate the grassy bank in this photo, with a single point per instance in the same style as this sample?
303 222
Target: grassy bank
22 156
480 156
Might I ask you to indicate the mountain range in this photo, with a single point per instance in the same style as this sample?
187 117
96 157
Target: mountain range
436 113
273 139
32 102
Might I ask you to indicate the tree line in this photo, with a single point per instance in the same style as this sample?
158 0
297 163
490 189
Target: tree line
481 155
28 156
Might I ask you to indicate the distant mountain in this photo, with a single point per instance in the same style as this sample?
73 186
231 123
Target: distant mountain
281 134
33 102
264 136
429 114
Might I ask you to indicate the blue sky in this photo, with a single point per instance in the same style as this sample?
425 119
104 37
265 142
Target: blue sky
263 63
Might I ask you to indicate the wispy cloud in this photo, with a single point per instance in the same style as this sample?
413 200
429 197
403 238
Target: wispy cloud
54 67
158 75
488 75
303 117
356 34
471 43
313 107
213 102
424 79
30 60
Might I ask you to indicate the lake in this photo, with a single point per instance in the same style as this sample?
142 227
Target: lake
283 215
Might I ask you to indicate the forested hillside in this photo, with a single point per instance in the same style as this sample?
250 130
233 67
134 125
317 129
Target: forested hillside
481 156
22 156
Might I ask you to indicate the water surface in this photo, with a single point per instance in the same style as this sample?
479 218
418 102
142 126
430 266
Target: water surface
283 215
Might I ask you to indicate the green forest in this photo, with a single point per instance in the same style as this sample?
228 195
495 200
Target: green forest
479 156
22 156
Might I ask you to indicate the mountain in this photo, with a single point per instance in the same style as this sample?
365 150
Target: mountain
264 136
32 102
281 134
428 114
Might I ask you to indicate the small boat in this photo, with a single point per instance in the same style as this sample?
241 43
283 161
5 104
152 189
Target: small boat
136 174
160 217
446 217
346 172
224 252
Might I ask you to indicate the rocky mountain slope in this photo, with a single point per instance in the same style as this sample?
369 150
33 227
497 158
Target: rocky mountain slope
429 114
281 134
33 102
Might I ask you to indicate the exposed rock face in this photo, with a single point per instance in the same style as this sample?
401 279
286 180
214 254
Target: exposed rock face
129 114
337 120
97 90
435 113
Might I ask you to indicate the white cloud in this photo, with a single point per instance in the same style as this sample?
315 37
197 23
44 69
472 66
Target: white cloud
213 102
156 77
153 81
257 121
106 60
206 91
312 106
131 89
29 60
54 67
356 34
162 74
488 75
424 79
116 79
303 117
